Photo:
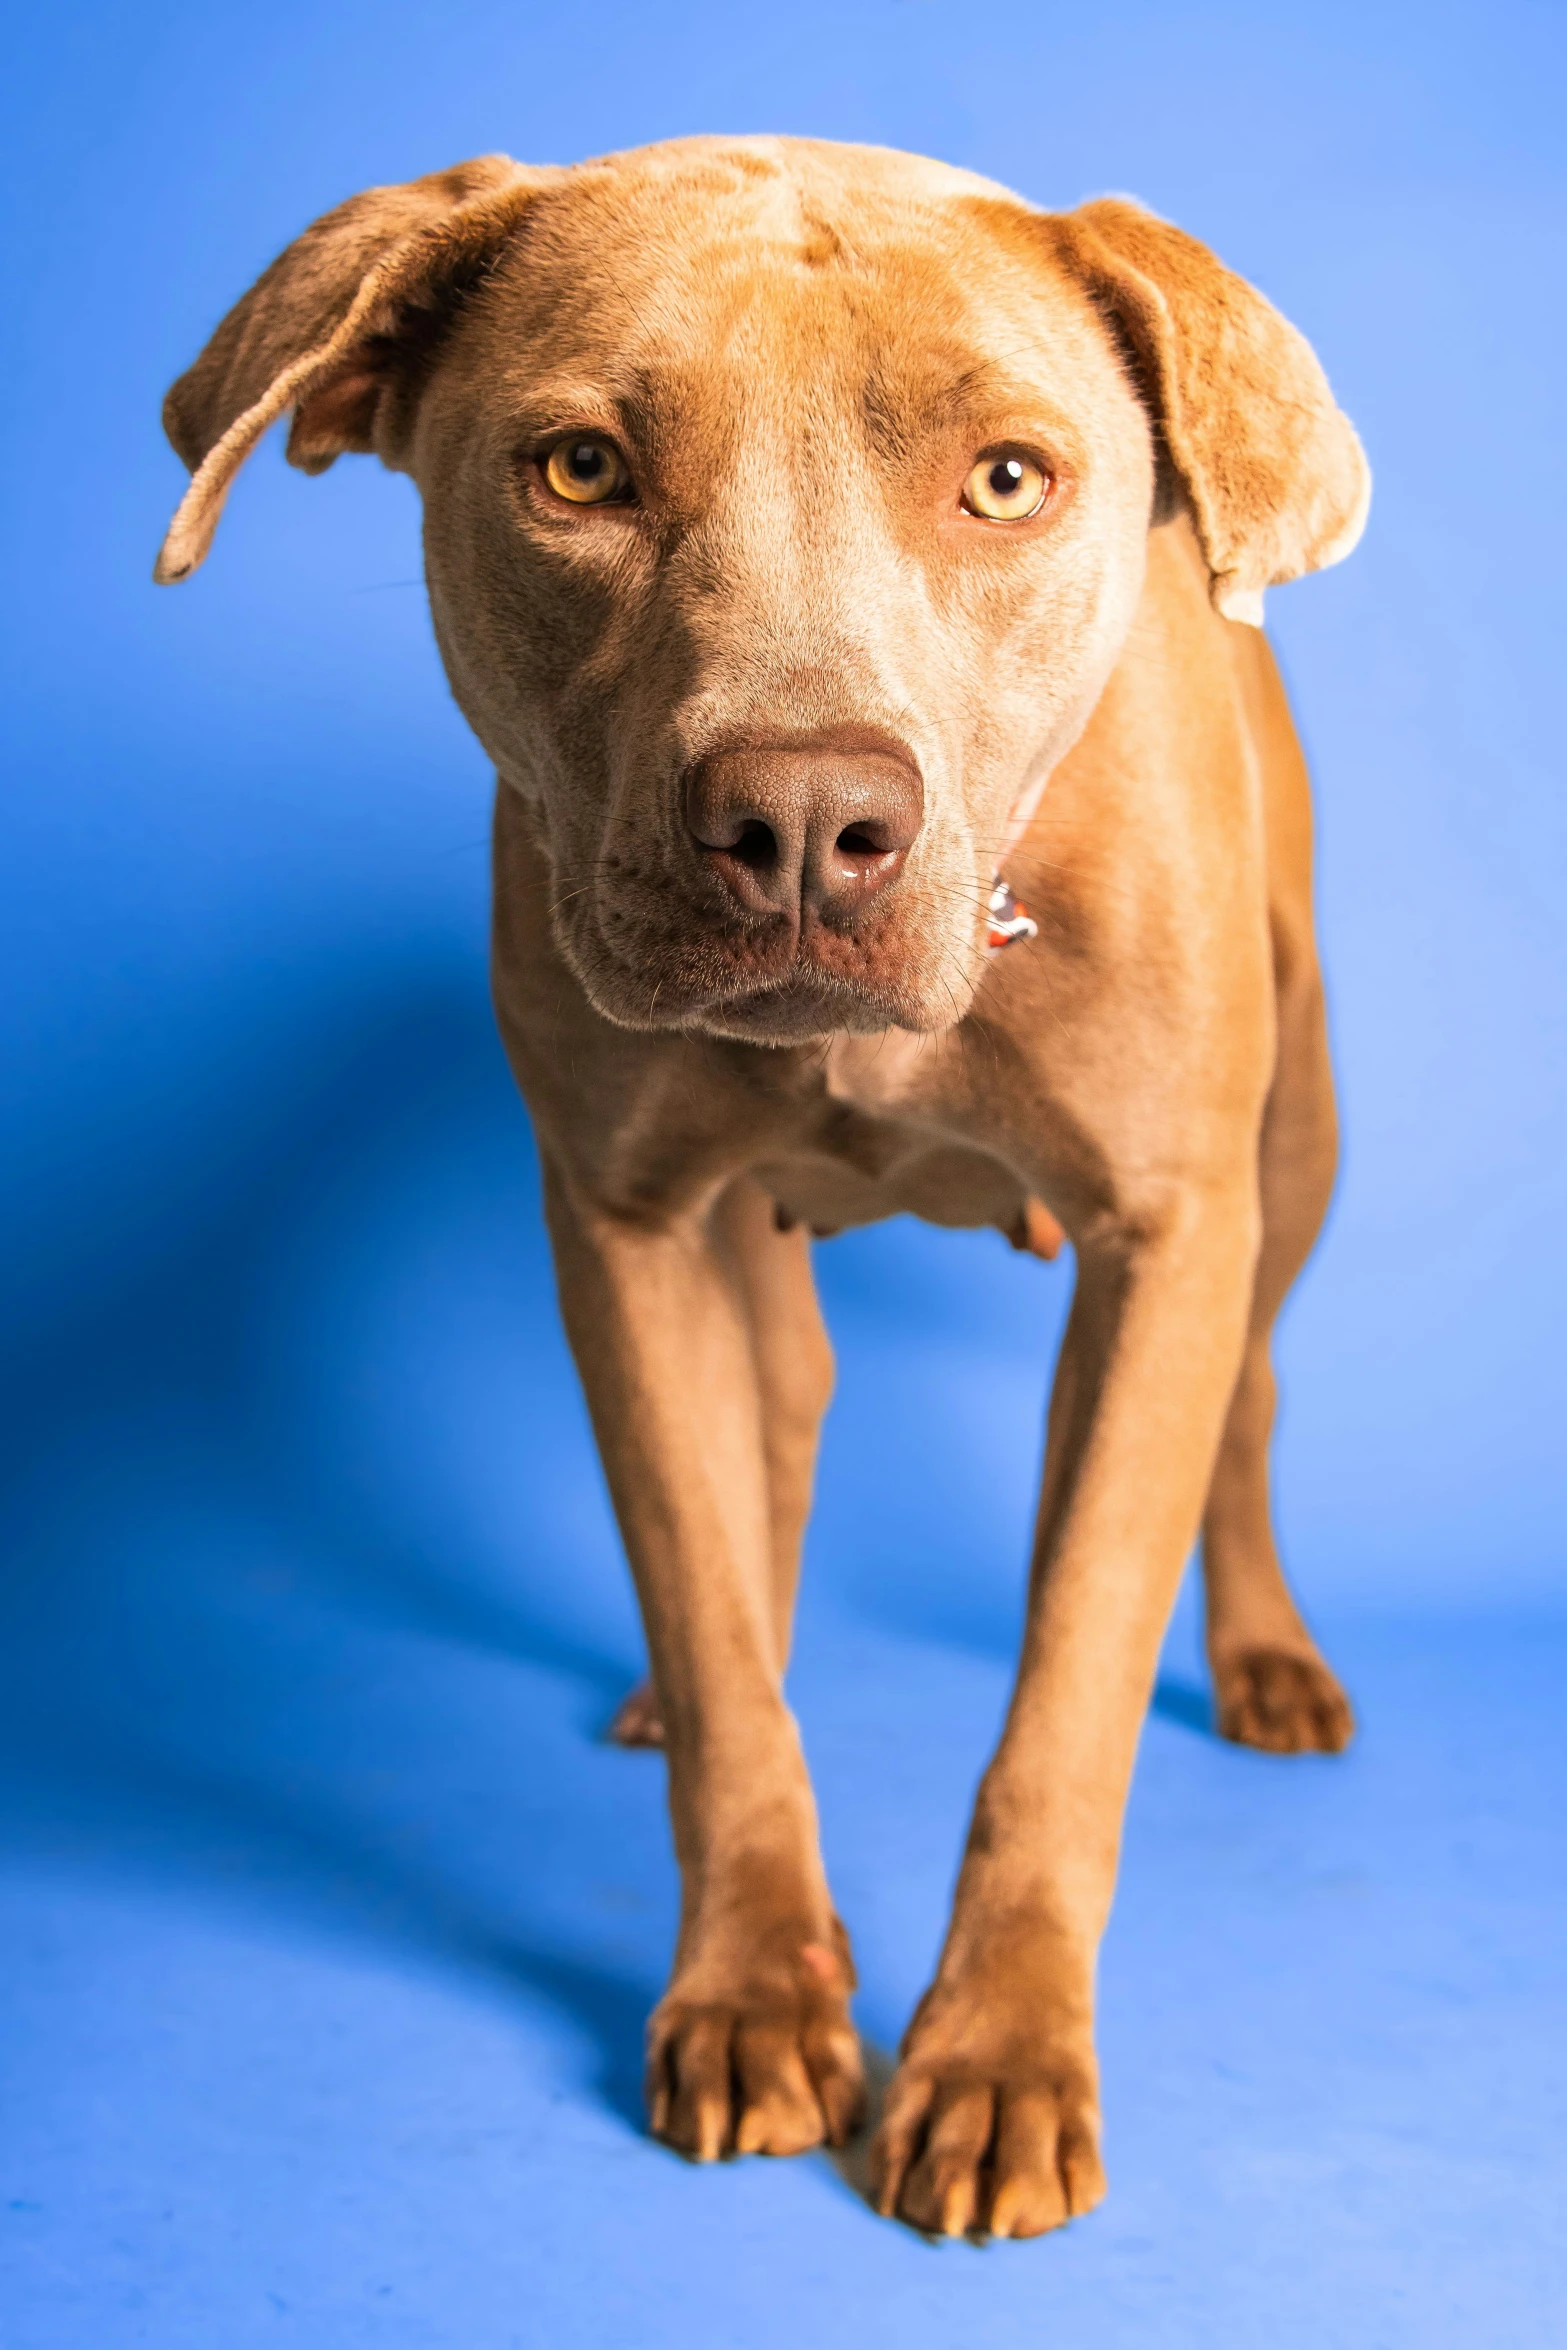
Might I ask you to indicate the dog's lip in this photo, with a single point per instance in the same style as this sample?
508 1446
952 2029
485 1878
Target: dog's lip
793 986
825 1001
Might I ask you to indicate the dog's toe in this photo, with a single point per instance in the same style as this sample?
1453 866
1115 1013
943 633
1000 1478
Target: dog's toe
763 2077
984 2157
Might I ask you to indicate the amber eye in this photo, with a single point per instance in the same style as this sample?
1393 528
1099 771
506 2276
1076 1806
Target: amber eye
1006 489
588 471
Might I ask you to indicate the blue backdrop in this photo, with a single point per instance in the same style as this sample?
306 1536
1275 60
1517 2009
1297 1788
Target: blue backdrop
331 1928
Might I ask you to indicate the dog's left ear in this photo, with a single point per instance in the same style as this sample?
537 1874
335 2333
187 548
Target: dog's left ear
1277 480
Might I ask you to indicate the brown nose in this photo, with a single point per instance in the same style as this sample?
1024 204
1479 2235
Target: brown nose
814 828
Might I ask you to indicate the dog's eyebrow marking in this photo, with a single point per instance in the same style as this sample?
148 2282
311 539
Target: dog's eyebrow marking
909 399
637 401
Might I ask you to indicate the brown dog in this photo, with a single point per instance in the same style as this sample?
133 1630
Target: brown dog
795 515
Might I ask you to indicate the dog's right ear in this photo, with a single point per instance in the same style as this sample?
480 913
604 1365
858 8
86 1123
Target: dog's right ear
339 329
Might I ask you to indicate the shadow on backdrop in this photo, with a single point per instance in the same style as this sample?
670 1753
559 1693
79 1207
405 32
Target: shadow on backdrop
205 1566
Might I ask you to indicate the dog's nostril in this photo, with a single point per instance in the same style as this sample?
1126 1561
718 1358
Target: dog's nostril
756 846
856 842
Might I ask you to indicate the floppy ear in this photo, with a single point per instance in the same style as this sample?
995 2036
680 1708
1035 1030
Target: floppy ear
1277 480
338 329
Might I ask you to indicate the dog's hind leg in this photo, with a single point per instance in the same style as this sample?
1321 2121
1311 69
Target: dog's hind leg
1272 1687
771 1263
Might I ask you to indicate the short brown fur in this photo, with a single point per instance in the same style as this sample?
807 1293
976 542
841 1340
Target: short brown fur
790 625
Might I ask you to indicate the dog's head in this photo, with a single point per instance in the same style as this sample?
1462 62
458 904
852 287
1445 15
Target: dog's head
786 509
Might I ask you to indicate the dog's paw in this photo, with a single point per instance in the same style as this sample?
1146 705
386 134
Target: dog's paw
637 1721
1009 2148
773 2070
1282 1702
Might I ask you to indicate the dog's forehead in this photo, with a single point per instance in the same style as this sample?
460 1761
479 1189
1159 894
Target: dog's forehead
791 255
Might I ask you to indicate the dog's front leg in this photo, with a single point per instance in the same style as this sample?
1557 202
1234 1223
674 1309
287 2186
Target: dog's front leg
992 2121
750 2049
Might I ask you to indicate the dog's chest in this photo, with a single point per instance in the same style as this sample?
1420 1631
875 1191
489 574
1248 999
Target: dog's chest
884 1136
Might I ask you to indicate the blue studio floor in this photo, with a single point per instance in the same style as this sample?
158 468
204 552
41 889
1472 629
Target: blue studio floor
330 1927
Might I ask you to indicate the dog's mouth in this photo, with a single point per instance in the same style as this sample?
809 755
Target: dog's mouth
804 1009
652 955
788 983
716 986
